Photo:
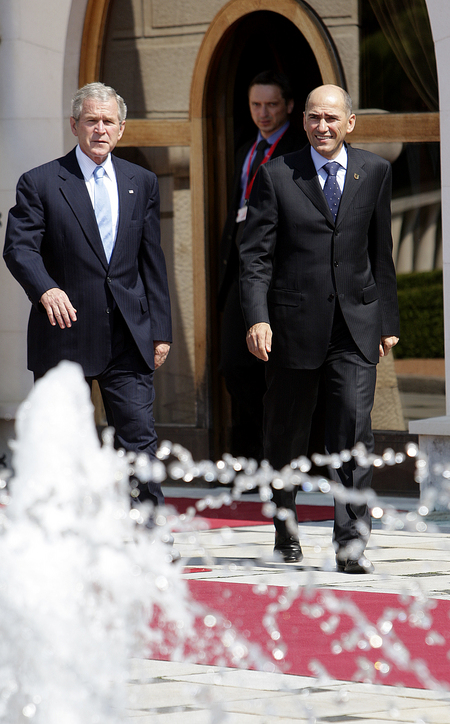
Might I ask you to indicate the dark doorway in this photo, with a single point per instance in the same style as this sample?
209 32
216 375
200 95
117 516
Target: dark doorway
260 41
270 41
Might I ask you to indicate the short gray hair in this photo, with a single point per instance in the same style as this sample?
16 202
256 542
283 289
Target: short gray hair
98 92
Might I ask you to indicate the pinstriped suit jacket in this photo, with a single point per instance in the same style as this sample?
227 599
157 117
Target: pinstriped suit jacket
295 259
52 240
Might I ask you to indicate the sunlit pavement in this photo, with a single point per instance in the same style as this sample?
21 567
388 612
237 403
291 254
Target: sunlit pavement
410 560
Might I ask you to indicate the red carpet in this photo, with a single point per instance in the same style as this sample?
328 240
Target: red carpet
244 512
340 631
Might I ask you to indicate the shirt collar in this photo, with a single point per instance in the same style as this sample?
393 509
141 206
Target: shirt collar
88 166
275 136
320 161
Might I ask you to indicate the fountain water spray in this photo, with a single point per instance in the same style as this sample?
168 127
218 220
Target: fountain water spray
80 577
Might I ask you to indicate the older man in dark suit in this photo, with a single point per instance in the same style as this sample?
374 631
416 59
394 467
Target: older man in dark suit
83 241
318 292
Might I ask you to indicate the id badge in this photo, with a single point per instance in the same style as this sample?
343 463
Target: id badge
241 214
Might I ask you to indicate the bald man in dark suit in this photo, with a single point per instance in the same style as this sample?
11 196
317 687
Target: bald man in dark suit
318 292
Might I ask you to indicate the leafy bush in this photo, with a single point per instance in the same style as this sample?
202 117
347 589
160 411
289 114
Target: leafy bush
421 315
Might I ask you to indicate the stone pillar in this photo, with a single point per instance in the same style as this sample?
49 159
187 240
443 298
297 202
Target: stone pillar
434 433
34 64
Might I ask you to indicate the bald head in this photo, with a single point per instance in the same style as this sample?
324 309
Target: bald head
331 90
327 119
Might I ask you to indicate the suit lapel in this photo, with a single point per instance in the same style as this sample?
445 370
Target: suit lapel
305 176
354 179
73 188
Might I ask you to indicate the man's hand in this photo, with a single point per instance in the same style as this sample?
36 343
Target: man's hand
259 340
58 307
386 344
161 350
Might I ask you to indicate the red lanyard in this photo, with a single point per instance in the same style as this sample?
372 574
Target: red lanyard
265 159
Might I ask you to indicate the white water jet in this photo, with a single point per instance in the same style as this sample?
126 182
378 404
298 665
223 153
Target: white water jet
79 579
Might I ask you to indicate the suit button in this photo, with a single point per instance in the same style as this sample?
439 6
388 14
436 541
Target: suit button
331 297
107 310
109 280
336 263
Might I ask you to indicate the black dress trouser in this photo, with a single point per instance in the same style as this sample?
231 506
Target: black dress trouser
126 385
348 381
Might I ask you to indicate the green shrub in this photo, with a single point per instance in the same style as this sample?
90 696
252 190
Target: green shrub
421 315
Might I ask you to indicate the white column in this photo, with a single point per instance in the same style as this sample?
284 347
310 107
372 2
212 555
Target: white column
434 433
37 63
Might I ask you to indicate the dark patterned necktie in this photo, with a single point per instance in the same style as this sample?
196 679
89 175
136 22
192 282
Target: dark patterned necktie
331 189
261 149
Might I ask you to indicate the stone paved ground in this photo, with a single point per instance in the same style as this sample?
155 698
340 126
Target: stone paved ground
405 560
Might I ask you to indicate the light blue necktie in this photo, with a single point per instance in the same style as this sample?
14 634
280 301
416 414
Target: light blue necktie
332 189
102 208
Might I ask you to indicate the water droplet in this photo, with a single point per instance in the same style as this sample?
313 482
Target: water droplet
29 710
376 641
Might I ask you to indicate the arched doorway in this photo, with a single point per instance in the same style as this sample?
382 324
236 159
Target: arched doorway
258 41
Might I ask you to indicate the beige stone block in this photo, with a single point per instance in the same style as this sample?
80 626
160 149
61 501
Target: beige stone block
168 161
183 268
126 20
334 11
387 410
176 13
159 86
174 382
166 74
346 38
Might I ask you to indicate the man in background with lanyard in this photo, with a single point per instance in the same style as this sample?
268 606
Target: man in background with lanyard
271 103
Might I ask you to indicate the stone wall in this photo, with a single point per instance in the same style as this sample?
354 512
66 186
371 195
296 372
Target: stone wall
151 47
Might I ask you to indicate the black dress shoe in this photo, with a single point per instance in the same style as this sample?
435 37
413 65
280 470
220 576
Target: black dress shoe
362 565
289 549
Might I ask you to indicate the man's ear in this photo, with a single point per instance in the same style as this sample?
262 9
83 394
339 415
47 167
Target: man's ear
122 129
73 126
351 123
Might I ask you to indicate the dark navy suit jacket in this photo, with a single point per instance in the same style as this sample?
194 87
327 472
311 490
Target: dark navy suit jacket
295 260
52 240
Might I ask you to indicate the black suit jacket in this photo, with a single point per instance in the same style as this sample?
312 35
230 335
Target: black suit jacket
295 259
52 240
292 140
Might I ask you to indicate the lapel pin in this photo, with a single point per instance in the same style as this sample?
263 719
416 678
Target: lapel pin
356 176
130 191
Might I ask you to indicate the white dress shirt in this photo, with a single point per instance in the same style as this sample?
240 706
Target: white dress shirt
320 161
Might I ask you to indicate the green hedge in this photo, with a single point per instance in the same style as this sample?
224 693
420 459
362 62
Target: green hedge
421 315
